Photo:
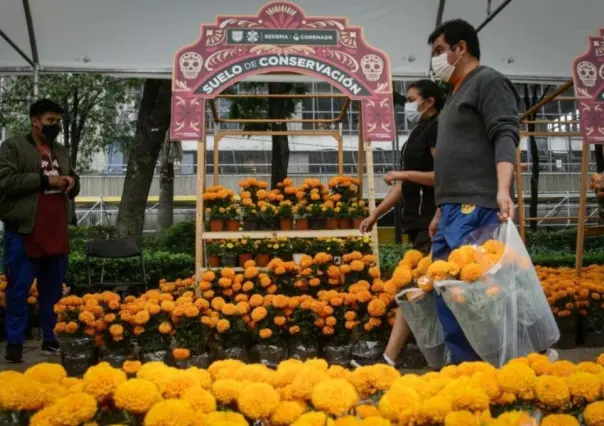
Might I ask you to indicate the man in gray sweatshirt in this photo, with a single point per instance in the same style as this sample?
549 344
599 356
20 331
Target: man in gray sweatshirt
478 132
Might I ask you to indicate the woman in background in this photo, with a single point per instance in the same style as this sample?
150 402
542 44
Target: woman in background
414 186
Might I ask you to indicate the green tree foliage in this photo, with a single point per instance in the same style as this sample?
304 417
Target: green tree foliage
274 109
96 110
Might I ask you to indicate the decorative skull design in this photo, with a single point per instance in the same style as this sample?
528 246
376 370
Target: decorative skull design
372 66
588 73
602 72
190 65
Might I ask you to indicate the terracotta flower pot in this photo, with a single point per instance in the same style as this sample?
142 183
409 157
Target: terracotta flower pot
262 260
214 261
302 224
356 222
286 223
250 225
344 223
244 257
232 225
216 225
331 223
316 223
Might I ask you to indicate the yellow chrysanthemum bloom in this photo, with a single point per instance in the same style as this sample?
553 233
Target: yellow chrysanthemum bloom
258 401
514 418
305 382
287 412
53 391
335 396
19 393
347 421
370 379
594 414
201 400
374 421
364 411
584 387
224 418
434 410
394 401
590 367
131 367
101 381
226 390
339 372
46 372
74 409
552 392
171 412
136 396
487 381
517 378
314 418
176 383
470 399
256 373
201 376
562 368
287 371
224 369
461 418
559 420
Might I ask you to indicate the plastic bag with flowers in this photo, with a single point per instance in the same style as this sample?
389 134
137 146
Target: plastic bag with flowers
339 321
269 325
373 315
304 328
492 288
415 298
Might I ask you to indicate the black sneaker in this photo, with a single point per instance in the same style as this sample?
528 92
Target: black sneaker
14 353
50 349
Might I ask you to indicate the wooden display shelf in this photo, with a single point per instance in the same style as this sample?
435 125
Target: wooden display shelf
254 235
594 231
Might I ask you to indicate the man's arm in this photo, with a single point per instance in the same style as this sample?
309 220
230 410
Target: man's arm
73 192
14 183
499 109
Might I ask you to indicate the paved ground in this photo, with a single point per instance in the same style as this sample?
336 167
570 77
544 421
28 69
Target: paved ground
31 355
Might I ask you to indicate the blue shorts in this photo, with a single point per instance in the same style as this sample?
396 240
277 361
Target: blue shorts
456 223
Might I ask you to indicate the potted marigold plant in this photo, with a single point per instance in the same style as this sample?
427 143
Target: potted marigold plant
342 211
191 334
252 186
300 246
316 216
565 300
229 254
268 218
217 216
233 215
269 328
249 214
231 330
286 215
288 190
358 212
301 217
303 331
344 188
152 327
373 330
360 244
245 249
118 340
339 322
75 329
214 250
592 316
331 221
263 252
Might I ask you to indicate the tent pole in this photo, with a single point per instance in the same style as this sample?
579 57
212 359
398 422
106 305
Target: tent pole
36 91
493 15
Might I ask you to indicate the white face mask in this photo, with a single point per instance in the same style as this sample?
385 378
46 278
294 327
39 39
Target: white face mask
411 112
442 68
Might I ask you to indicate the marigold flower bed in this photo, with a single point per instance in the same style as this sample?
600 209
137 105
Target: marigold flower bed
526 391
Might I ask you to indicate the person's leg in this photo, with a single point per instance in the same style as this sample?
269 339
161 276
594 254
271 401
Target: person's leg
398 337
453 228
20 272
50 288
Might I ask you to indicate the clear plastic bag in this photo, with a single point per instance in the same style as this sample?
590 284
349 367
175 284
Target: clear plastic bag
337 354
302 352
367 352
419 309
77 354
270 355
504 314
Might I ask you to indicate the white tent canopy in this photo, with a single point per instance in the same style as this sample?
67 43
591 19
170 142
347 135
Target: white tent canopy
529 39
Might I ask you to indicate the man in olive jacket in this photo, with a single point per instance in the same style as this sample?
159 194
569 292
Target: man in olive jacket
36 181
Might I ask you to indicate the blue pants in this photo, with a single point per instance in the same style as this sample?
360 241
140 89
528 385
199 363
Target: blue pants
456 223
20 271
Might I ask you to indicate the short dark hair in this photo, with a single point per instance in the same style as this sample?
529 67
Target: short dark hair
43 106
455 31
429 89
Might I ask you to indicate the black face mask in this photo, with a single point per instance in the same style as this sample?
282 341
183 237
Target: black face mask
50 132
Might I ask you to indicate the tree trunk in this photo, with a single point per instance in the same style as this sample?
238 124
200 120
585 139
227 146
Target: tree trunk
280 152
152 125
165 209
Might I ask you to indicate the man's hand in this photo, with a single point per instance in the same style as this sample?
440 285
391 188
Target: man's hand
70 183
392 177
434 224
506 206
58 182
367 224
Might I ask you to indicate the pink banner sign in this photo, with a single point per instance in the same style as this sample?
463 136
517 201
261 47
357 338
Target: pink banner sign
281 39
588 76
